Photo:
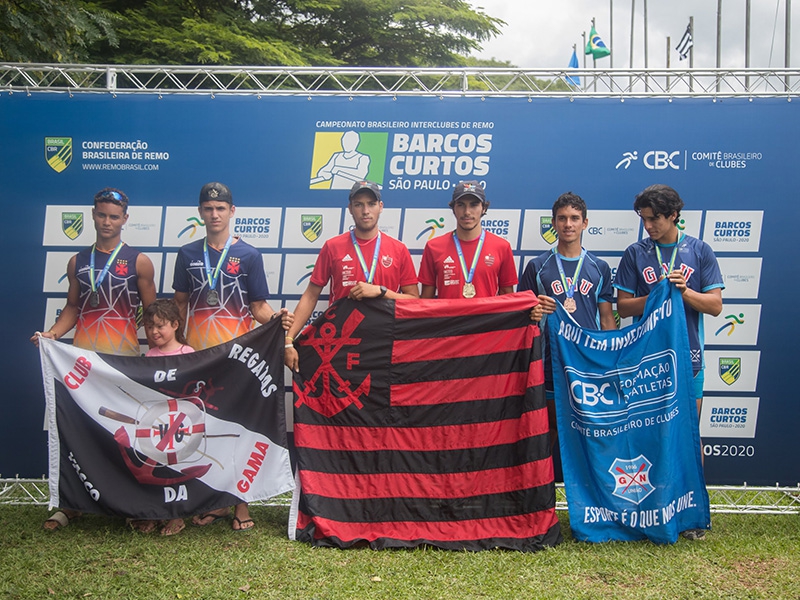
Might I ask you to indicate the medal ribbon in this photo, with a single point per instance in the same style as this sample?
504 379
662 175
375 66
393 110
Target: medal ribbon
674 254
212 280
104 272
569 290
468 277
368 273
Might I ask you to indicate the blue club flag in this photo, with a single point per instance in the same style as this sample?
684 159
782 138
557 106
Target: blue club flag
573 64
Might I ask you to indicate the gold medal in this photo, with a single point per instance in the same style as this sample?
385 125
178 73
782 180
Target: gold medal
468 291
570 306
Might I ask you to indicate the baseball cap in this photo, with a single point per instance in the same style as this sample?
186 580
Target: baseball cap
469 188
216 192
359 186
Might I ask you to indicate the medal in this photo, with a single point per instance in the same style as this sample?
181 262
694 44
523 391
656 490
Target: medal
569 285
212 296
95 283
468 291
666 270
369 274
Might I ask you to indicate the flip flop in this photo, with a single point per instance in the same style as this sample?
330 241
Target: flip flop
61 519
209 515
173 528
142 525
241 523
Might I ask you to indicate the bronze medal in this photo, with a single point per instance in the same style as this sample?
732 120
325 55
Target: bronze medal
570 306
212 298
468 290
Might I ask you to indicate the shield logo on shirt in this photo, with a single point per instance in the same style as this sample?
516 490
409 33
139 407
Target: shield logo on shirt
58 152
729 369
72 224
386 261
546 230
311 226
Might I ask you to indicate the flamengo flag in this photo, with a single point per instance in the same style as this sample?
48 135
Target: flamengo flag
627 425
160 438
686 43
423 423
596 46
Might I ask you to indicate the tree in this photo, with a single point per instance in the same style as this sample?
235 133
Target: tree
275 32
52 30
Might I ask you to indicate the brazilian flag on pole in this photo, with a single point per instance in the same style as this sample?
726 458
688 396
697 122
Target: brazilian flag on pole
596 46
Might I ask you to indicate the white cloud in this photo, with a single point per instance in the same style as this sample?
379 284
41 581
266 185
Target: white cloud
540 33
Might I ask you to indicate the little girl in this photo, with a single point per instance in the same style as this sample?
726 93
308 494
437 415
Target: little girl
162 325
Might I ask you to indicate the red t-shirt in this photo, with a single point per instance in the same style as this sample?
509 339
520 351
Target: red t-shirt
339 264
441 267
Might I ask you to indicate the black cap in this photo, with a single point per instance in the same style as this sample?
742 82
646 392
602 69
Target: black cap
216 192
369 186
469 188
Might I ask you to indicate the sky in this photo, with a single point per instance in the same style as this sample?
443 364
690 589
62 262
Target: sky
541 33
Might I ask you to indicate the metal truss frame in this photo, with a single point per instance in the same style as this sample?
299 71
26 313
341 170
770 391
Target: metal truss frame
441 82
724 499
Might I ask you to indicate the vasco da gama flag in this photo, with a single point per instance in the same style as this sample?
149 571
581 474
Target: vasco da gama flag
423 423
159 438
627 425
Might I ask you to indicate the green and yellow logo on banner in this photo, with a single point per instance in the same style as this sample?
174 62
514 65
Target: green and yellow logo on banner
729 369
58 152
546 230
72 224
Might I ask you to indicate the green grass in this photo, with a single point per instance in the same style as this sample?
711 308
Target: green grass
745 556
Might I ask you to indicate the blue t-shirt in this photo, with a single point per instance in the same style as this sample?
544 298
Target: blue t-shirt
639 270
241 281
543 277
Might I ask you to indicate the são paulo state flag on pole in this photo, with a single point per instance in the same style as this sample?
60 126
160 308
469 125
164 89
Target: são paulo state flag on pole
159 438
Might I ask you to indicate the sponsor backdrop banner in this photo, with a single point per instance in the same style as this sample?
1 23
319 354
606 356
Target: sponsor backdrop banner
289 162
157 438
627 425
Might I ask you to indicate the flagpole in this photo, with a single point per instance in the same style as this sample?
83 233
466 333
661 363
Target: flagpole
646 62
747 42
691 54
594 61
633 9
788 39
668 49
611 33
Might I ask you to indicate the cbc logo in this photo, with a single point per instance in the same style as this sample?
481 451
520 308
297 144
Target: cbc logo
594 230
590 394
658 160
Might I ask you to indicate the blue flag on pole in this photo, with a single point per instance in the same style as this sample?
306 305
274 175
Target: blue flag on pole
628 426
573 64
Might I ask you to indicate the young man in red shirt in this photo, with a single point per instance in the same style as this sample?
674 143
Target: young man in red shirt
360 263
469 262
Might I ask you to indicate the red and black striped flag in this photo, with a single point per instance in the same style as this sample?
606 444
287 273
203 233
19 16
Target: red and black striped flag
423 423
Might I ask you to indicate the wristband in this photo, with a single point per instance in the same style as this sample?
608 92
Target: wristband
289 338
53 333
383 291
289 346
